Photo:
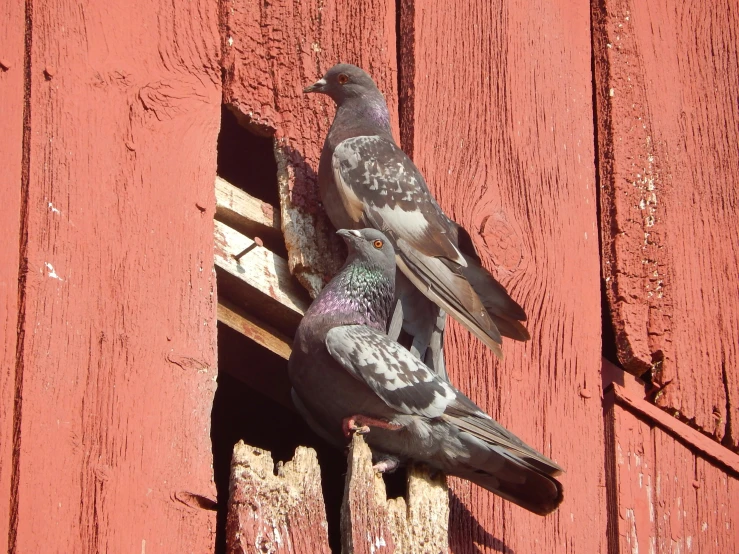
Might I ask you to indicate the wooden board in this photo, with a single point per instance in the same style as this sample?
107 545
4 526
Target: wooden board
12 185
668 126
271 51
120 303
665 495
499 100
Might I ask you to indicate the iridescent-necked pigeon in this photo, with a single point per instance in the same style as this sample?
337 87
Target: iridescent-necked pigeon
349 376
366 180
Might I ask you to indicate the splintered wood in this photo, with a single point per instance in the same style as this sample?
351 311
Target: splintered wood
370 523
276 514
284 513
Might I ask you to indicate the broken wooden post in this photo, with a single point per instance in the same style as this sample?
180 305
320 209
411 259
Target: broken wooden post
276 514
417 524
284 513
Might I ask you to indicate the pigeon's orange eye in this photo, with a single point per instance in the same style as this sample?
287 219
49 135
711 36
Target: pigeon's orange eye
343 78
378 244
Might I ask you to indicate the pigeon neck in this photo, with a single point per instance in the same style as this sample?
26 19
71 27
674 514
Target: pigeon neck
364 116
360 294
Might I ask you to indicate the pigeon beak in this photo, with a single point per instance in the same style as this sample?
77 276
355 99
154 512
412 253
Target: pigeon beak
315 87
349 235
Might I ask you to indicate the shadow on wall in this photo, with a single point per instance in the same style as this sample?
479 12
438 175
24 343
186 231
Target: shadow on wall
466 532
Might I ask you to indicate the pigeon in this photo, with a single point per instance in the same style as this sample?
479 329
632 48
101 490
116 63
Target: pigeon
348 376
366 180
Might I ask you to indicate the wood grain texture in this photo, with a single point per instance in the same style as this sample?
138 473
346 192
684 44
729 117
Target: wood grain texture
365 520
253 328
248 215
120 317
271 51
371 523
668 126
12 96
664 495
265 285
281 513
499 97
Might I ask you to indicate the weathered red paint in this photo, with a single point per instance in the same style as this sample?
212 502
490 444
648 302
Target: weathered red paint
668 126
12 96
665 496
118 349
502 130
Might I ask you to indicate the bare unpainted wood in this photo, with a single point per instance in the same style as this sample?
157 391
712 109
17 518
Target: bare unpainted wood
371 523
265 277
119 325
668 127
248 215
251 327
419 522
12 39
271 51
501 125
278 514
664 496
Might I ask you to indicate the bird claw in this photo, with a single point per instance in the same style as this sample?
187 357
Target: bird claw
361 425
350 426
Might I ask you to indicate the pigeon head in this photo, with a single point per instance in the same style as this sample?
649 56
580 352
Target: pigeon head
369 246
344 81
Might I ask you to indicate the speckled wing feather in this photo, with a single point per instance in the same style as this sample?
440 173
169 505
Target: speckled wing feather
372 172
400 379
472 420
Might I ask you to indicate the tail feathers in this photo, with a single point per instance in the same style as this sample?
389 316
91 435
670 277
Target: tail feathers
518 483
450 291
503 310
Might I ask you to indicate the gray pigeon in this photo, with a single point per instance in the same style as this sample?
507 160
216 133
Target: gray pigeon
349 376
366 180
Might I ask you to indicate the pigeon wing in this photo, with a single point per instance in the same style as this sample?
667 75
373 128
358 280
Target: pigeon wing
400 379
375 176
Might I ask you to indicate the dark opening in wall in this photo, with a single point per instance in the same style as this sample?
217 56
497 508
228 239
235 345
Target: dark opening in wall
252 400
247 159
241 412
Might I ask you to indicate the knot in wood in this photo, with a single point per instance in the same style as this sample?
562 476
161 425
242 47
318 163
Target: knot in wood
502 242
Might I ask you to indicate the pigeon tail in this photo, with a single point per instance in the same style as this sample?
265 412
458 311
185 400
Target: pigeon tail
518 483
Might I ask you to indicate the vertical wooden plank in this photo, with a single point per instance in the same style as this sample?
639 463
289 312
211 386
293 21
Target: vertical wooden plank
271 51
12 97
667 74
500 100
717 519
120 321
631 479
676 513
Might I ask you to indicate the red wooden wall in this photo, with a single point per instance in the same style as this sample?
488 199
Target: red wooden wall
108 133
110 118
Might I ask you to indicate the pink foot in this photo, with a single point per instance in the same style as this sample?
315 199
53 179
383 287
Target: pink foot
361 424
349 425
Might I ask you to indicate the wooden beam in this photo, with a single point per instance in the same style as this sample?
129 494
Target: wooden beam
263 279
251 327
248 215
691 437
